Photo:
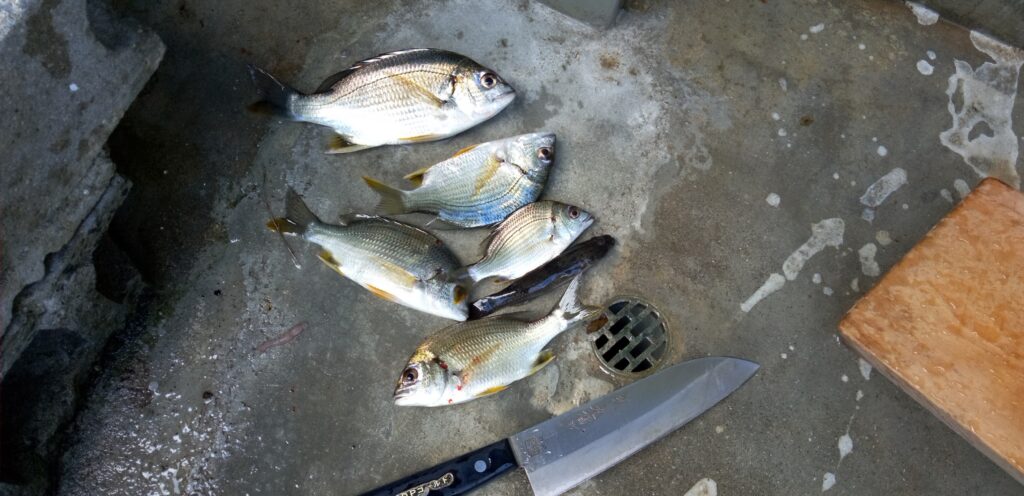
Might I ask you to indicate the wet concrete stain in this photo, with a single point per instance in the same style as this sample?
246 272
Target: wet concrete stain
45 43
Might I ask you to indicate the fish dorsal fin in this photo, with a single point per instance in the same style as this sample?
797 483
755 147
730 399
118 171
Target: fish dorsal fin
418 176
349 219
333 79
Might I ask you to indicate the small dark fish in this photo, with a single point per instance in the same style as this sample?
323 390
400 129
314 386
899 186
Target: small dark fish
284 338
553 274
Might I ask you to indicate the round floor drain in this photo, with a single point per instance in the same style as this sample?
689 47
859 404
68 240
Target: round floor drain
633 339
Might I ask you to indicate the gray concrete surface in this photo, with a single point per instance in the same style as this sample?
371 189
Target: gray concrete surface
674 126
68 74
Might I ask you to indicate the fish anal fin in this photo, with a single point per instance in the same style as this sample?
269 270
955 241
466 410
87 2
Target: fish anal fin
491 390
416 177
421 138
543 358
341 144
380 293
328 258
490 168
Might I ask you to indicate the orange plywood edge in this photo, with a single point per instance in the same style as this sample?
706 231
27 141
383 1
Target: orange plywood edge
947 322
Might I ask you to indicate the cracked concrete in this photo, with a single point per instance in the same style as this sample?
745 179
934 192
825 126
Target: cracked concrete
666 133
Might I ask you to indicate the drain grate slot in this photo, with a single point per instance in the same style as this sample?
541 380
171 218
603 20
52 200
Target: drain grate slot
634 339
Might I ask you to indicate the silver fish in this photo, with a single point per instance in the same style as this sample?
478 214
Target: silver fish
408 96
481 357
395 261
527 239
478 186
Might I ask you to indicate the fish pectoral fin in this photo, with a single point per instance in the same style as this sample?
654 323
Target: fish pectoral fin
460 295
401 276
490 168
416 177
489 391
328 258
421 138
380 293
419 91
543 358
341 144
464 150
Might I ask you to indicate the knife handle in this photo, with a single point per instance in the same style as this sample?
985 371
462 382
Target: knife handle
456 476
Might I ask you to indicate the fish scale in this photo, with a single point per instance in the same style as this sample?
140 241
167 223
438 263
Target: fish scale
479 185
528 238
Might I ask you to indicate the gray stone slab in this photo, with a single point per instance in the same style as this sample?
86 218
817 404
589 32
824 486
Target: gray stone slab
64 91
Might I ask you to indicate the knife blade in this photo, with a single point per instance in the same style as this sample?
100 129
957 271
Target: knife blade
566 450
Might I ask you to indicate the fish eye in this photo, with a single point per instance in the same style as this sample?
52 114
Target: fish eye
574 212
545 154
410 375
488 80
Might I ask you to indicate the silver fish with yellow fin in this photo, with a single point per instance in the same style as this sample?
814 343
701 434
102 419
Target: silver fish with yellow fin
473 359
478 186
395 261
408 96
527 239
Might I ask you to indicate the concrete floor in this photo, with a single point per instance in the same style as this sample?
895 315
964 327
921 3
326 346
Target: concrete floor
665 132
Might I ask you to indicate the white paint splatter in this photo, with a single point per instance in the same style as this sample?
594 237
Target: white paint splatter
860 395
986 96
844 378
855 284
931 55
784 356
827 481
817 28
961 187
882 151
905 206
868 214
883 238
719 429
792 348
773 199
776 116
771 285
835 175
868 265
816 278
861 46
827 290
925 68
883 187
828 232
865 369
703 487
925 16
73 87
845 445
803 36
782 132
946 195
783 85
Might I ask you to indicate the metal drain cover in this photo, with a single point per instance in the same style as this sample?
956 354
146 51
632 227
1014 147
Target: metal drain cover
634 338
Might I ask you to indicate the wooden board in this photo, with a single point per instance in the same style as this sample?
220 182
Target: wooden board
947 323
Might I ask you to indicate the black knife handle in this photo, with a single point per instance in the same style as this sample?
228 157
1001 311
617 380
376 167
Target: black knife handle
456 476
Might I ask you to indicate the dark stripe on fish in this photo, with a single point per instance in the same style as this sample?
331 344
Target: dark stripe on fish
553 274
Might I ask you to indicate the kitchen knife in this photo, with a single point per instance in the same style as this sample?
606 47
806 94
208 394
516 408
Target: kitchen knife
564 451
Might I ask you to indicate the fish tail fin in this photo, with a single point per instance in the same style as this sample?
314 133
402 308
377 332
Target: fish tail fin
298 217
573 311
392 200
276 98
